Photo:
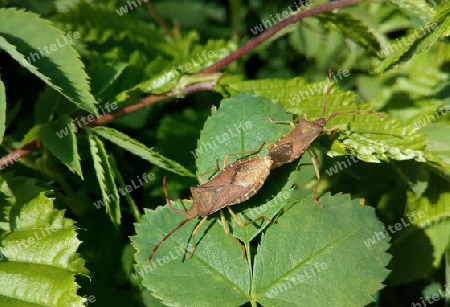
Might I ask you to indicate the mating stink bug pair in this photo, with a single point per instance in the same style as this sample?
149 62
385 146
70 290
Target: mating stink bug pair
236 183
241 180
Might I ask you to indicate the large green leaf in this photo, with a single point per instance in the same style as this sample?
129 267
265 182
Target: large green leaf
296 95
38 249
141 150
314 256
48 54
218 268
59 138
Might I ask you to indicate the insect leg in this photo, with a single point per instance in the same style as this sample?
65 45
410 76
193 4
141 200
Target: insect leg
292 123
194 232
245 153
215 169
315 161
224 223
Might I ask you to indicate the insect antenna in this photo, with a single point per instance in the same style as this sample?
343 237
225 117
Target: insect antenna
168 199
332 115
155 248
354 112
324 108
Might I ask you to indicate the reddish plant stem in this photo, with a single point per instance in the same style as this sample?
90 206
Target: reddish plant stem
15 155
147 101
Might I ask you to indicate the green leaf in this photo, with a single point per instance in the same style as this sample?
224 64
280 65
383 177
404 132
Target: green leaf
59 138
141 150
167 74
105 177
416 176
438 149
103 75
374 141
32 135
295 95
200 57
275 89
61 67
352 28
98 24
417 42
239 125
149 300
183 12
303 259
218 266
11 115
346 233
419 8
419 246
46 105
434 204
39 257
133 207
417 251
2 110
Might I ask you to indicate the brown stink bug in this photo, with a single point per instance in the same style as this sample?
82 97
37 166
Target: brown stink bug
292 145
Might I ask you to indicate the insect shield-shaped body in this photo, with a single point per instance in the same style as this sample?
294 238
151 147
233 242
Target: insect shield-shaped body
236 183
293 145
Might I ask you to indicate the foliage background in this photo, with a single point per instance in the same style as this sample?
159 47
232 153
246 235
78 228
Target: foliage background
124 55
